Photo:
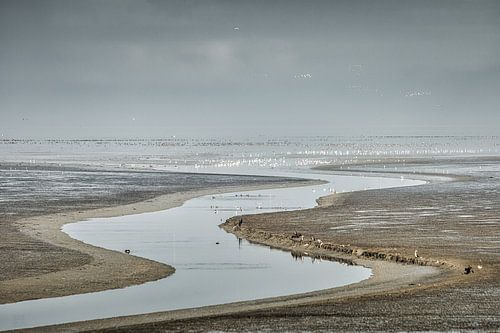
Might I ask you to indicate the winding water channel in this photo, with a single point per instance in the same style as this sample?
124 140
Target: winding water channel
212 266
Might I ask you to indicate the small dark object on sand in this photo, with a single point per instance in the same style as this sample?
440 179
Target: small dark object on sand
127 251
217 243
240 222
468 270
296 236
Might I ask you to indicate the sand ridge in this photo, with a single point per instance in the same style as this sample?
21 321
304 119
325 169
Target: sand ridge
101 269
387 276
398 296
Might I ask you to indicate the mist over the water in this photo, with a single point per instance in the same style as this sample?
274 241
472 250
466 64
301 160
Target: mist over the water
124 68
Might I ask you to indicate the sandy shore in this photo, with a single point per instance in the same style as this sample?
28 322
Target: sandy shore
386 277
405 293
69 266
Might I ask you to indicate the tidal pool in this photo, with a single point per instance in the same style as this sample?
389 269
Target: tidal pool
212 266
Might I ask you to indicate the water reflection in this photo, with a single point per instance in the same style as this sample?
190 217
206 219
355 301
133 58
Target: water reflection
212 266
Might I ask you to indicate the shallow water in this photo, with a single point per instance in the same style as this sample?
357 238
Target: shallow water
200 154
206 272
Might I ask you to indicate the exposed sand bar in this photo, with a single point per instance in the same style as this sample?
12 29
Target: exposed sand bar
387 277
398 297
193 233
376 282
95 268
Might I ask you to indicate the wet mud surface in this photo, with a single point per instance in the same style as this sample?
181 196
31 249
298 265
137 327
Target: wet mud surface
28 190
452 223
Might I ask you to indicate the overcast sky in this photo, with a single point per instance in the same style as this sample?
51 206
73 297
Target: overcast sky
121 68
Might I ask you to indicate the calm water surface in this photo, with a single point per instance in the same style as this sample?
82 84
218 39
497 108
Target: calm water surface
207 273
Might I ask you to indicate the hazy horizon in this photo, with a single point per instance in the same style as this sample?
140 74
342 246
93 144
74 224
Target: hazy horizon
117 69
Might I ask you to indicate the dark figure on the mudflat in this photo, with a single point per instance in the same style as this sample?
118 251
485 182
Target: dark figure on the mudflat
240 222
468 270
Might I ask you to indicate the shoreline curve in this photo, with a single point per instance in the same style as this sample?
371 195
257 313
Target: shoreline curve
104 271
387 277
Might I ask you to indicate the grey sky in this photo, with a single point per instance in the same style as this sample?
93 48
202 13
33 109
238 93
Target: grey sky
158 68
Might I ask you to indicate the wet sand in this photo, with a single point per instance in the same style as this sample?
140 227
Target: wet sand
452 224
39 260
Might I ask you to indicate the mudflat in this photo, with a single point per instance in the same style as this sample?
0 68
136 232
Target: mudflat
38 260
418 240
